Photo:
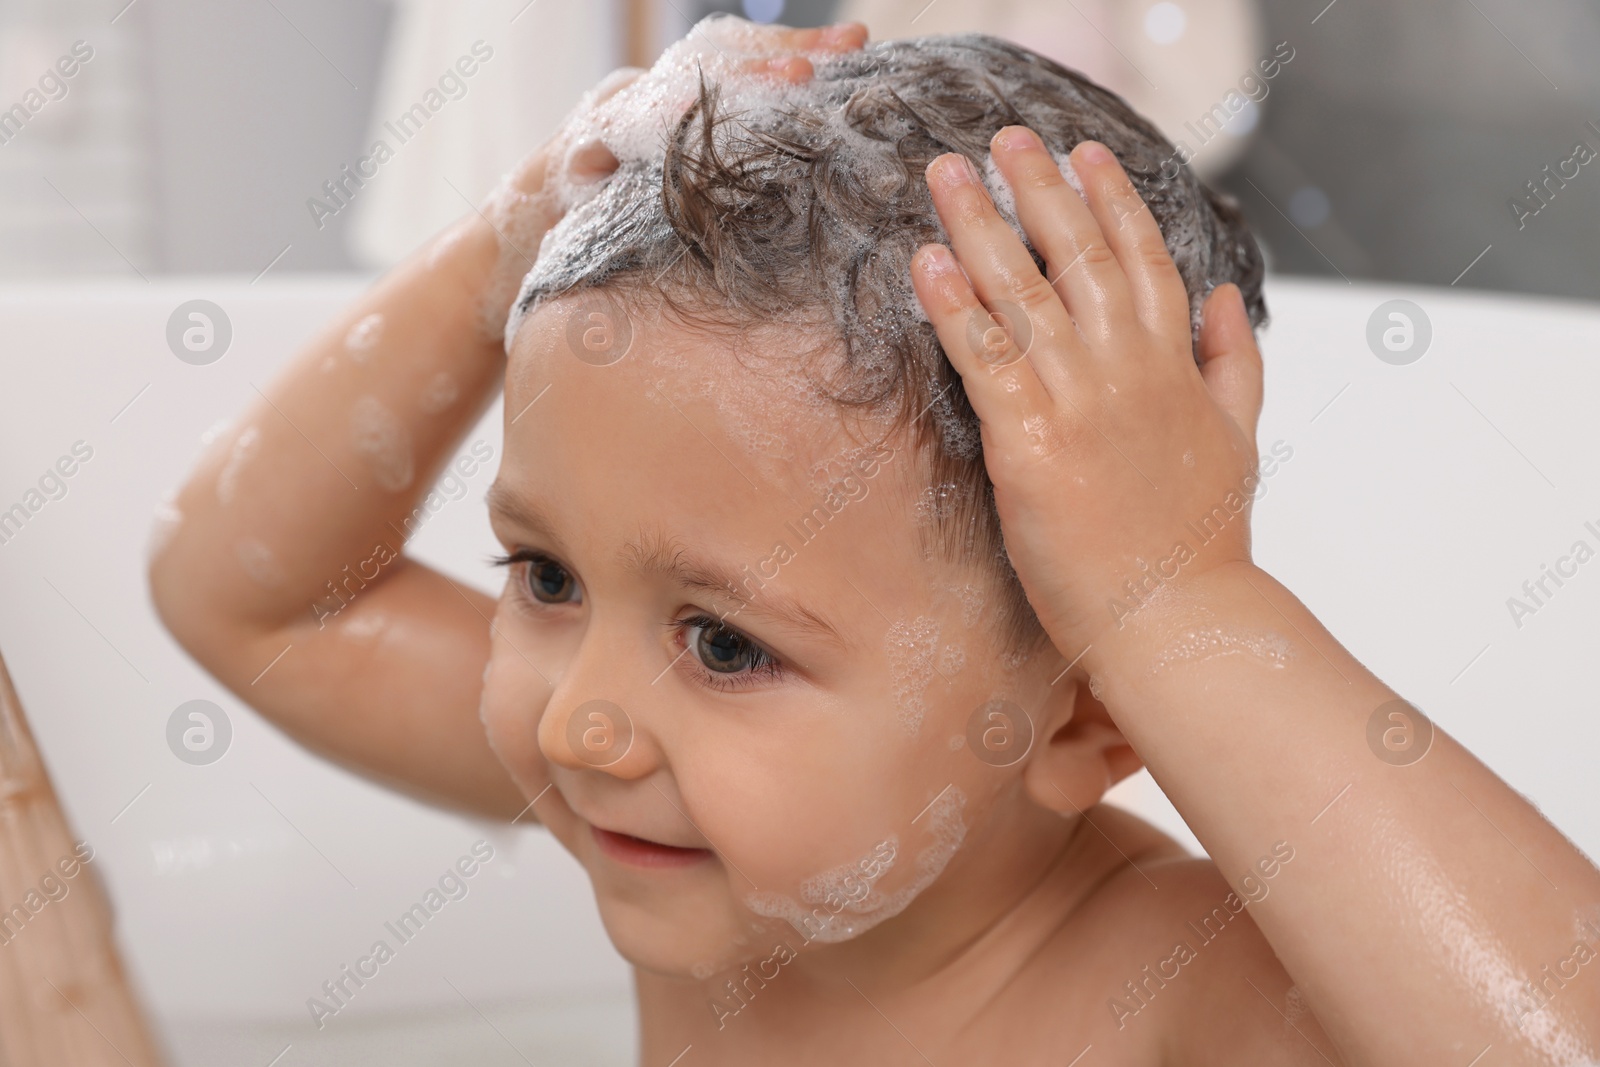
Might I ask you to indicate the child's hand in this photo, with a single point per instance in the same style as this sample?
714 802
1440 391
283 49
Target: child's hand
1107 446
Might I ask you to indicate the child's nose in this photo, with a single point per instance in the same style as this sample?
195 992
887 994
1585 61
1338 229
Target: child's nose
593 722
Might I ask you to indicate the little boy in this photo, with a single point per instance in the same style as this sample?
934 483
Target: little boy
850 498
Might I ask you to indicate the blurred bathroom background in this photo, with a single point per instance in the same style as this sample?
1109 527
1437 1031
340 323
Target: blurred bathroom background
194 138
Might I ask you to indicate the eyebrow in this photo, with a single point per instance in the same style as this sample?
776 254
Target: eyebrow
654 555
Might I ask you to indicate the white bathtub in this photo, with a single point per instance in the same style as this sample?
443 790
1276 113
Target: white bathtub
1418 499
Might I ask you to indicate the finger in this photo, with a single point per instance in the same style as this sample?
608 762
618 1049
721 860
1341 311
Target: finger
793 69
1230 361
1079 263
614 83
993 369
1000 268
839 37
1155 286
590 161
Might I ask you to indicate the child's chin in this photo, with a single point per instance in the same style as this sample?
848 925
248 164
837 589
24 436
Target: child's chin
690 939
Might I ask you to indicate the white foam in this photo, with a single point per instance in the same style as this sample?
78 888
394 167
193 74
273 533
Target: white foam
911 650
440 392
861 911
378 434
1005 198
361 338
1209 642
634 123
259 562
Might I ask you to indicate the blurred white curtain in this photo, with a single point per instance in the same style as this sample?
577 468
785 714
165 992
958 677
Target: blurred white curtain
75 192
1172 61
544 55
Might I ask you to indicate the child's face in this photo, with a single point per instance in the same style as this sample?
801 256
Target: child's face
827 789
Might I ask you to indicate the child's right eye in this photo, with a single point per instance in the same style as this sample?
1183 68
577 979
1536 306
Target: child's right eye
546 581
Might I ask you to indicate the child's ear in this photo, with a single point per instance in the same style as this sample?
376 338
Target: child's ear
1078 752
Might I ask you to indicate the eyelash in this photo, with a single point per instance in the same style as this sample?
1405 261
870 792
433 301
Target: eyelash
766 665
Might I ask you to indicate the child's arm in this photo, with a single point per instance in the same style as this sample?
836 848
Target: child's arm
1427 904
285 577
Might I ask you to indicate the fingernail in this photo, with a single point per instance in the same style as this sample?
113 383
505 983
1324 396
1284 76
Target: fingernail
955 170
1095 152
1013 137
937 260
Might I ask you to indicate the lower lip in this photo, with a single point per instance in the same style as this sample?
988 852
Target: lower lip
640 853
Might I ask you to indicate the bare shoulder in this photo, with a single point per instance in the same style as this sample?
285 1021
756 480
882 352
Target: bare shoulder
1205 976
1162 962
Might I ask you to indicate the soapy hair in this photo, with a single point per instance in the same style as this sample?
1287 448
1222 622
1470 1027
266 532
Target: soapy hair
793 213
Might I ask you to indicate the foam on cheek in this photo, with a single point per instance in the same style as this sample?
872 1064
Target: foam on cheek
244 449
483 699
381 438
911 648
971 595
833 911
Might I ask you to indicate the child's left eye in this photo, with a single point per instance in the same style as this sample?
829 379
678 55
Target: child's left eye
726 654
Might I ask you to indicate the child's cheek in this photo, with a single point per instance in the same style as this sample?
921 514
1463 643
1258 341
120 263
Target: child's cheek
508 723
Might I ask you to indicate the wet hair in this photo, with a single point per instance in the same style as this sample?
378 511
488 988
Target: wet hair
801 213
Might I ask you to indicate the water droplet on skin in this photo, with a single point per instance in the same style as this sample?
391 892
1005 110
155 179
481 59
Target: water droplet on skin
244 449
1203 643
163 527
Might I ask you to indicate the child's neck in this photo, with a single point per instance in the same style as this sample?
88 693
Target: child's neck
958 943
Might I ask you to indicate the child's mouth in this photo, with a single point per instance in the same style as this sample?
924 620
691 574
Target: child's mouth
639 852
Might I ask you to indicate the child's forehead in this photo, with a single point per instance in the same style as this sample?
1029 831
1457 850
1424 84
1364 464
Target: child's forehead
758 394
